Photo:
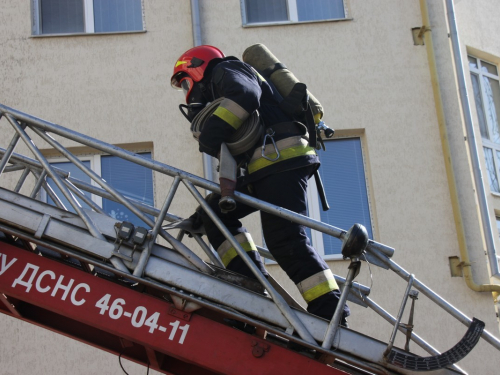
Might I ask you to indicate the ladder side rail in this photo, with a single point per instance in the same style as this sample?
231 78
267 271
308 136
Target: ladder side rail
171 171
48 189
149 210
306 221
213 256
108 188
40 179
84 198
218 308
438 300
338 232
22 179
363 290
400 314
14 168
192 257
334 325
35 165
373 247
253 304
352 348
287 312
179 246
47 167
8 153
146 253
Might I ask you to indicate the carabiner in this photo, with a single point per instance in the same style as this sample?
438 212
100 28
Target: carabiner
270 134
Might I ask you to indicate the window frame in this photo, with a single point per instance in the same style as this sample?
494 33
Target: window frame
95 165
487 143
293 16
314 204
88 21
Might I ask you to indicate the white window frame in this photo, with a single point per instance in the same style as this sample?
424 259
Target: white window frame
314 205
293 15
88 20
95 165
486 142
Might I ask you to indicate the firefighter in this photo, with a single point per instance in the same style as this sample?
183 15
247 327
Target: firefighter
205 74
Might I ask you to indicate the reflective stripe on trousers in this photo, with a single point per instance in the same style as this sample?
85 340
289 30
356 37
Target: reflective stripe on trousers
227 252
316 285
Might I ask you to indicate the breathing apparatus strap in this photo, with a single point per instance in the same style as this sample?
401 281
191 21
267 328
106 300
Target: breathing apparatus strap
296 102
311 127
267 72
296 105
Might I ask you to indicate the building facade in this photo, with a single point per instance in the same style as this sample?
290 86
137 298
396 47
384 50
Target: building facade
402 161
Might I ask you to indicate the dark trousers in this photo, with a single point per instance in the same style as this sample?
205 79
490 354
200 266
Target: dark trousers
286 240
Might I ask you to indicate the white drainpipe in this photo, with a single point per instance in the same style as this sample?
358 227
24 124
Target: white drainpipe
195 20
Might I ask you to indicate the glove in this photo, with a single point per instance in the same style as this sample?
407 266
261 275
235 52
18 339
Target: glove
196 221
192 225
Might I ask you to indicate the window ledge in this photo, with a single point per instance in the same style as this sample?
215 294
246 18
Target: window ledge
87 34
497 195
333 257
283 23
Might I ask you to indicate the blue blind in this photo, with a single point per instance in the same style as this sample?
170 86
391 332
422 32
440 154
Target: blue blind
117 15
343 176
130 179
313 10
74 172
266 10
62 16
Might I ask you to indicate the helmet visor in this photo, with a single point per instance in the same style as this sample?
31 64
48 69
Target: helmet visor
187 86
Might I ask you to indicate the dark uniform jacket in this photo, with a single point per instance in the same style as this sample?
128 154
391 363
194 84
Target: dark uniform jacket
240 84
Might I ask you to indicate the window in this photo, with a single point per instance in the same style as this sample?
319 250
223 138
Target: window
343 174
485 83
86 16
130 179
291 11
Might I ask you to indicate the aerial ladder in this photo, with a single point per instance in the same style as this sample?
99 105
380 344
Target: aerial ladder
109 284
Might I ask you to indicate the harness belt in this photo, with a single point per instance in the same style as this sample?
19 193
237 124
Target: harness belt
291 128
283 149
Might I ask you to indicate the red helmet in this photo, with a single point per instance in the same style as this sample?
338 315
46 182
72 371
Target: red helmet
191 66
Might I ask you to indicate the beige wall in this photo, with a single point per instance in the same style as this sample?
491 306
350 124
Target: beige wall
368 75
112 87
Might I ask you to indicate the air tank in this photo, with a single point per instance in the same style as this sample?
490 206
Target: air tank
262 59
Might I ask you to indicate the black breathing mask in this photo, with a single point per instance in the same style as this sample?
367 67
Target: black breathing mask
195 103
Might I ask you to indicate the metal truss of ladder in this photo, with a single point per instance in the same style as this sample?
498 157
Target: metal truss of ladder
92 237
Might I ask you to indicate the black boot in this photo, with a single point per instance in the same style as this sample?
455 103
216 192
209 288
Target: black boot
325 306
